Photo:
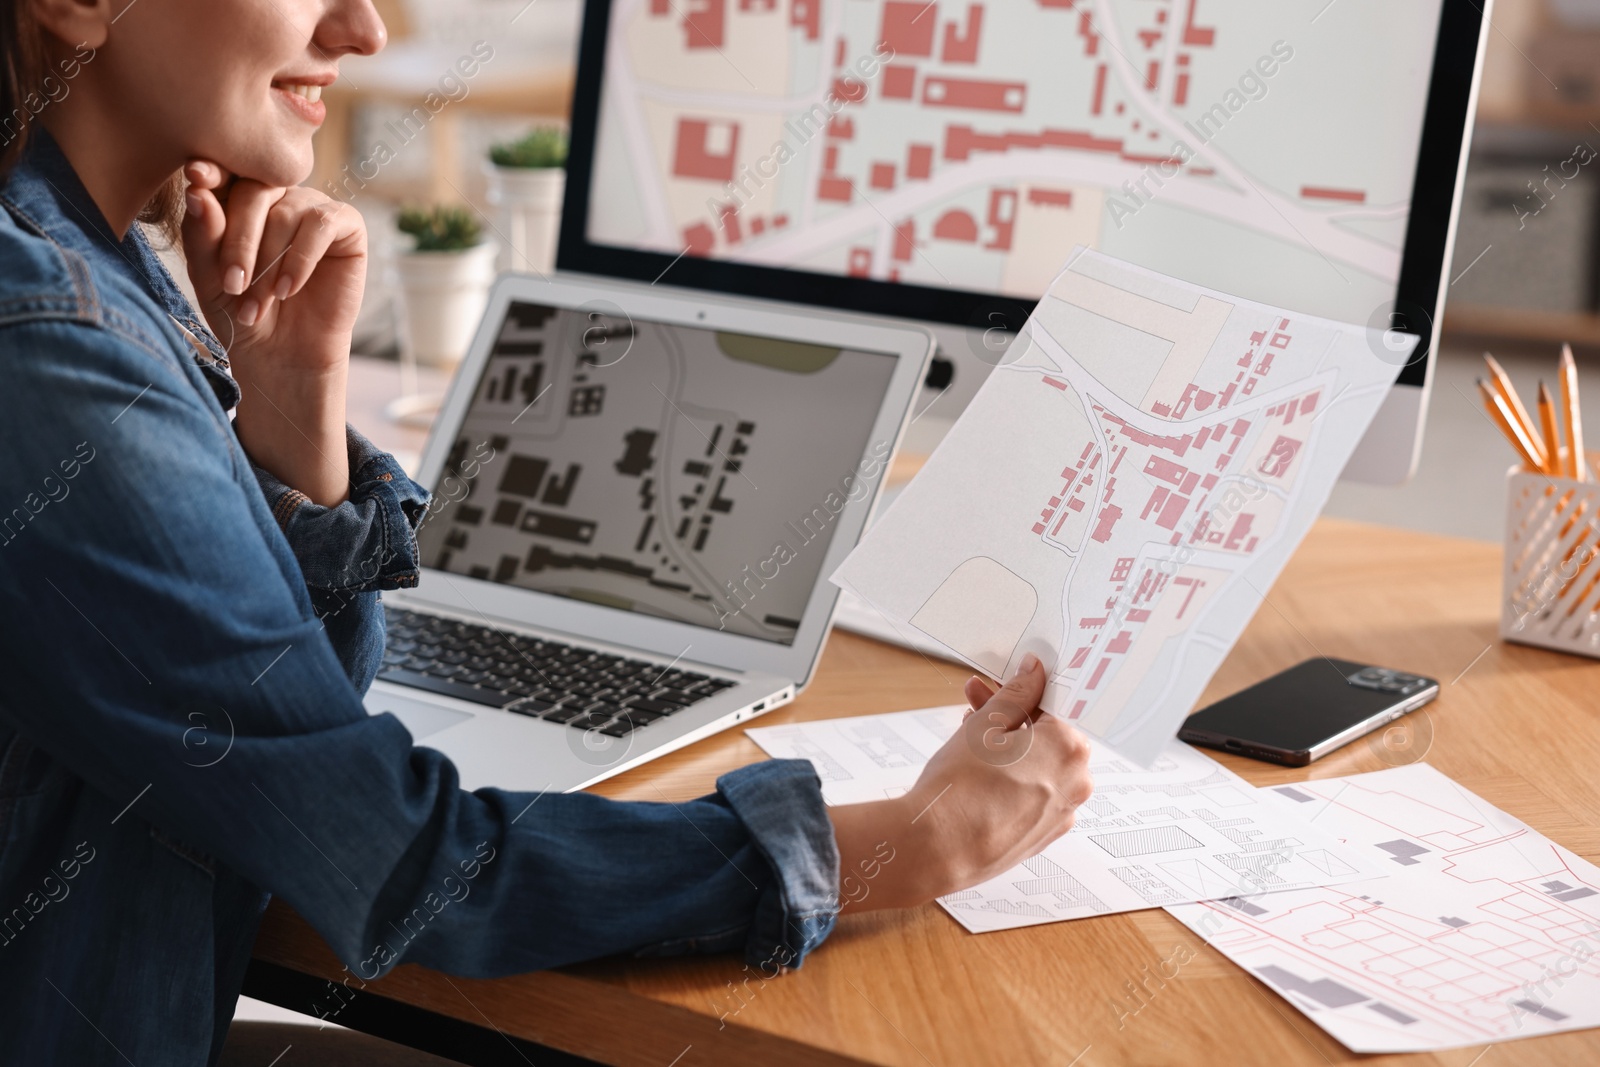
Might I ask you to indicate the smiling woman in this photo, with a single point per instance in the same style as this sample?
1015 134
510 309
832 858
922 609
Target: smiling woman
233 120
222 564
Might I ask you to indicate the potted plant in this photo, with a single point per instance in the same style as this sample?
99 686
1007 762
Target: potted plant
526 181
444 281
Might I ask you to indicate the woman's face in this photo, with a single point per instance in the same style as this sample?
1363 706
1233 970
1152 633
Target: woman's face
233 81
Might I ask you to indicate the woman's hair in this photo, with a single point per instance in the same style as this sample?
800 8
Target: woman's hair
22 63
24 67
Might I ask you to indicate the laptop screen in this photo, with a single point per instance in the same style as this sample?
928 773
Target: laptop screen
686 473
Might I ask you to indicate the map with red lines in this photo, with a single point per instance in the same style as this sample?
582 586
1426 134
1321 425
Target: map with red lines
1122 491
972 144
1485 930
1184 829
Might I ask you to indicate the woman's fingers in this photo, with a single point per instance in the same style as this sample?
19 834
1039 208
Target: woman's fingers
310 242
249 204
204 174
204 222
1018 699
977 692
1071 751
1012 787
316 231
1059 757
286 239
257 243
203 225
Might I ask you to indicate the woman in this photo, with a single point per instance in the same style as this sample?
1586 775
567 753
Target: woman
173 582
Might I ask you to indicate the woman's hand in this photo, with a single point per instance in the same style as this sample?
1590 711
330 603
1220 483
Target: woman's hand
279 274
1006 785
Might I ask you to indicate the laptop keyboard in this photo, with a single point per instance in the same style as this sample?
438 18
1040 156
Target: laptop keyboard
544 679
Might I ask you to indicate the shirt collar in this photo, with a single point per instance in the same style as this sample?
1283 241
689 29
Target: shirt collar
45 185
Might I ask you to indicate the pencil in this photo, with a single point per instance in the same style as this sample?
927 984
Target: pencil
1518 413
1500 412
1552 435
1576 467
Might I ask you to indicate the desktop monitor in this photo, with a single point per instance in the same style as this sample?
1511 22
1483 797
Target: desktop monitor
938 160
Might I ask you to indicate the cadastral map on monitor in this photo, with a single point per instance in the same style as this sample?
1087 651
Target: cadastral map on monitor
968 145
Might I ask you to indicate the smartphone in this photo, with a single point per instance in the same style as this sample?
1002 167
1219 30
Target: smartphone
1307 711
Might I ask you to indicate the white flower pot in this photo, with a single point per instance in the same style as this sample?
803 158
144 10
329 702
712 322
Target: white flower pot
528 210
444 294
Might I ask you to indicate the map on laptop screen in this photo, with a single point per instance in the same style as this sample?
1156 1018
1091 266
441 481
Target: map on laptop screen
686 473
969 145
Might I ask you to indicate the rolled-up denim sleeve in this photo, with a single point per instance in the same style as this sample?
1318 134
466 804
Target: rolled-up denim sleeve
366 544
780 804
351 552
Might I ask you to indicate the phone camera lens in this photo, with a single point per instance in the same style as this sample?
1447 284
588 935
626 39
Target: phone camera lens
1384 680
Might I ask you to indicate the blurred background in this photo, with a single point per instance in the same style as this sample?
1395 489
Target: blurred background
1524 277
525 84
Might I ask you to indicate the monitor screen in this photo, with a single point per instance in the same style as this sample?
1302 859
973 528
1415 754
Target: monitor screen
1264 149
690 474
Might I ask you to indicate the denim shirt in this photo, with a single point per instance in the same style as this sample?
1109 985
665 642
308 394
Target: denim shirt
185 644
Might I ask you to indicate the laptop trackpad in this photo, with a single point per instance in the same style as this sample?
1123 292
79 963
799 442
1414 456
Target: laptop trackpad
420 719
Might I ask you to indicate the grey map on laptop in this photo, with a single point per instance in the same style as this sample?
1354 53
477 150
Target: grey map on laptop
656 468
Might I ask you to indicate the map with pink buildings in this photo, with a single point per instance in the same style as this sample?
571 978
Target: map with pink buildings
970 144
1123 491
1485 929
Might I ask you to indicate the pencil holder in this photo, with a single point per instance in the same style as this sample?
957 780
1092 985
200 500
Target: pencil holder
1551 594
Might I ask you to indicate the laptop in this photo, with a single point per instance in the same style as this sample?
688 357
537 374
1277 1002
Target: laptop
639 495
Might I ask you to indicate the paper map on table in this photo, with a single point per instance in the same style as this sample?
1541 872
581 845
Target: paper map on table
1487 931
1123 490
1185 829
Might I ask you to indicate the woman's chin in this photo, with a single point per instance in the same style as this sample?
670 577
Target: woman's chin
280 166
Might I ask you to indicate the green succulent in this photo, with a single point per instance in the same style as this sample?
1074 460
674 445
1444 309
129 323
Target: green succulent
545 147
441 228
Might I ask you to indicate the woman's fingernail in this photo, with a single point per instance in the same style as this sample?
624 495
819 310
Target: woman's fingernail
233 281
281 290
1030 663
248 312
194 204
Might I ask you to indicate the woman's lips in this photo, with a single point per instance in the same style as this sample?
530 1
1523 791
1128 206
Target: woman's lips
304 100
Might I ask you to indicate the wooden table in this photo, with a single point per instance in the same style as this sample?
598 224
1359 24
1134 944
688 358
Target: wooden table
1519 726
